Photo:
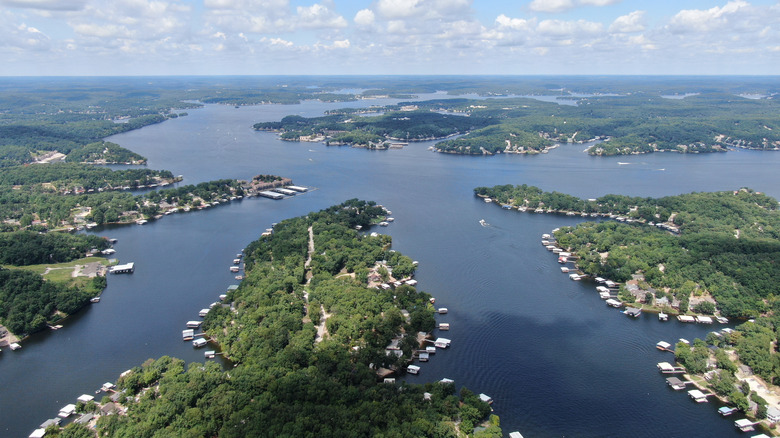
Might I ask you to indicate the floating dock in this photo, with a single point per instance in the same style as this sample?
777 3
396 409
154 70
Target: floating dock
127 268
270 194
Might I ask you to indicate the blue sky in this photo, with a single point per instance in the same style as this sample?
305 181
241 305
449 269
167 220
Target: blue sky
258 37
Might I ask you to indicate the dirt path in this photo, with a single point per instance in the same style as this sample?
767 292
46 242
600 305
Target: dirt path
322 331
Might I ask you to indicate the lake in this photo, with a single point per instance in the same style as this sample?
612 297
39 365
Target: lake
556 360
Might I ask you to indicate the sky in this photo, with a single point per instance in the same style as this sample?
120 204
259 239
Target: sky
350 37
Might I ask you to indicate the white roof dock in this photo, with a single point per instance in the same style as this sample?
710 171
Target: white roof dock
38 433
286 192
413 369
203 312
744 424
663 345
703 319
446 380
85 398
123 269
613 302
200 342
298 188
699 396
485 398
188 334
194 324
270 194
686 318
515 435
67 411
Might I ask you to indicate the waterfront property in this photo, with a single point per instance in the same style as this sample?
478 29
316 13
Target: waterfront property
633 312
698 396
127 268
726 411
667 368
676 383
744 425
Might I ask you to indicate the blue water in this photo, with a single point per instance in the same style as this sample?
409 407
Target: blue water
556 360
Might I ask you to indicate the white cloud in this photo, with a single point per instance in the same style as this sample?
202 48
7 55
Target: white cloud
643 42
599 2
569 29
551 5
102 31
365 17
319 16
554 6
343 44
48 5
633 22
398 8
514 23
699 20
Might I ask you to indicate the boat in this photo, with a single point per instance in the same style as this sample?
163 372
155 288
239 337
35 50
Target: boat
234 269
663 317
483 223
444 326
564 269
94 300
442 310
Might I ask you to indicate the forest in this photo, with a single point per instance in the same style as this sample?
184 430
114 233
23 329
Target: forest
725 246
360 130
284 383
28 302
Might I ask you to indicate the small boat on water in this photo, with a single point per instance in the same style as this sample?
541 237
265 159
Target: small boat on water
483 222
663 317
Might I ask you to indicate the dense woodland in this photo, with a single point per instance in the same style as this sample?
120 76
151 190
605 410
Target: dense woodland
727 246
360 130
104 152
27 301
286 384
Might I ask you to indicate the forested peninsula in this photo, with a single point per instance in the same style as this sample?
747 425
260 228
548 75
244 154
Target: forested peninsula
634 123
703 252
288 380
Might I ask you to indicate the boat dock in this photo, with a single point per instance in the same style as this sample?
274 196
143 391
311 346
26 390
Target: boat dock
127 268
270 194
664 346
698 396
667 368
676 383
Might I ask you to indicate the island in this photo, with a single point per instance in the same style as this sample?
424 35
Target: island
312 349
